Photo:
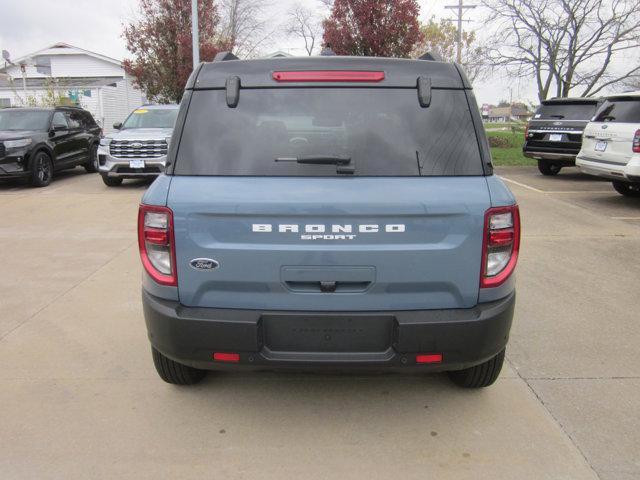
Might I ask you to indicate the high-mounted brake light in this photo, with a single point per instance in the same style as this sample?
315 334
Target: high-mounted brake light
156 243
328 76
636 142
500 245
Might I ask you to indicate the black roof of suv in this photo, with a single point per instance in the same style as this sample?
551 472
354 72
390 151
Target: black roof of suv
398 72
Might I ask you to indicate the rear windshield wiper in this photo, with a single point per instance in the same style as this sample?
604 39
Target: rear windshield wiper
343 163
556 116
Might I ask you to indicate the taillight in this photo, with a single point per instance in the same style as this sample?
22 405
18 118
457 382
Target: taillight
157 244
500 245
636 142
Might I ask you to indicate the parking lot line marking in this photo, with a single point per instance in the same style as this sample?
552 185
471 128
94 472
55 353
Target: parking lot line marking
523 185
626 218
580 191
553 192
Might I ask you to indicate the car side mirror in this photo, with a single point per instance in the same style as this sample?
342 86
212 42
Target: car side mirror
117 125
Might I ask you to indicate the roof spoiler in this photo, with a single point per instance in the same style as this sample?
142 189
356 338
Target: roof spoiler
431 56
224 56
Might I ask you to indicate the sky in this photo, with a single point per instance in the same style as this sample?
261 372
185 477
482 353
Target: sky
96 25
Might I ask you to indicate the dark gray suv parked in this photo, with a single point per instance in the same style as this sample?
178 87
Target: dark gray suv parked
554 133
37 142
329 213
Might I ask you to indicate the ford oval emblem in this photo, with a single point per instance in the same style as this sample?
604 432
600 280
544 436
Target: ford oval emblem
557 123
604 127
204 264
136 145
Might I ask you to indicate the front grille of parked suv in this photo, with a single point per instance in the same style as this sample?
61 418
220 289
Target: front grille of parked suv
138 148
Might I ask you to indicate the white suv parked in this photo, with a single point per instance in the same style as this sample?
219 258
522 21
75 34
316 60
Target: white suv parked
611 143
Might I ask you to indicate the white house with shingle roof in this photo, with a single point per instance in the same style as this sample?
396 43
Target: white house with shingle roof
96 82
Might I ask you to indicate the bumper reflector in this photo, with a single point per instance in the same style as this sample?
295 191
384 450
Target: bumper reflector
226 357
429 358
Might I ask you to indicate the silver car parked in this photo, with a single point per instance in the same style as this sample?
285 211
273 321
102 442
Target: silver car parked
138 147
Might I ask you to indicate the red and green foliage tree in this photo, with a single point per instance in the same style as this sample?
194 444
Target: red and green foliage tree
377 28
160 42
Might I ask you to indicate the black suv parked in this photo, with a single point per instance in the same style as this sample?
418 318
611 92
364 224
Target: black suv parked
554 133
36 142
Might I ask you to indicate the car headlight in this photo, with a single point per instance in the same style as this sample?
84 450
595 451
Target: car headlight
21 142
105 141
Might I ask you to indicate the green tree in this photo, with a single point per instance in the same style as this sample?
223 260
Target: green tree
441 38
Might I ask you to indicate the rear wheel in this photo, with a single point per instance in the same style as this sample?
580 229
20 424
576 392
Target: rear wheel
549 168
174 372
481 375
41 170
111 181
92 165
627 189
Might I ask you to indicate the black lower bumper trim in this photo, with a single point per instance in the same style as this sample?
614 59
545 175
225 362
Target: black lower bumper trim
464 337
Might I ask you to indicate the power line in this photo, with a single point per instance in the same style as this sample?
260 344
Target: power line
460 7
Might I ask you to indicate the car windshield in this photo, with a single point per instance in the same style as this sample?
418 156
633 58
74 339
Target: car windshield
151 118
327 132
620 110
24 120
566 111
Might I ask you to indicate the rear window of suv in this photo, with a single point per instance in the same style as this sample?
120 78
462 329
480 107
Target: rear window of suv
619 110
382 131
566 111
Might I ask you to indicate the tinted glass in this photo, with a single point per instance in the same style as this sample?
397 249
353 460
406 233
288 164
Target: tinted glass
151 118
74 119
620 110
59 120
565 111
384 132
24 120
87 120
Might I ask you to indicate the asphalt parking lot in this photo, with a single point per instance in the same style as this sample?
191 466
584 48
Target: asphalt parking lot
80 397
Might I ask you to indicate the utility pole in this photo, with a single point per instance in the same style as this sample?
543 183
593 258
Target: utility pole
460 7
195 36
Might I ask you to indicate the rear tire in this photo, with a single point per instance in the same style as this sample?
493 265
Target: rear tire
174 372
627 189
111 181
481 375
92 165
549 168
41 170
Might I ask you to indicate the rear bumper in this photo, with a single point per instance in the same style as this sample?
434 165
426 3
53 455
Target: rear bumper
464 337
629 172
566 156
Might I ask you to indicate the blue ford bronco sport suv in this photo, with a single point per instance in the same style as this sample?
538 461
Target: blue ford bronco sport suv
328 213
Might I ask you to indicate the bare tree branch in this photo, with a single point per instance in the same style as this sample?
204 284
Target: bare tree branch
303 23
245 25
570 46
